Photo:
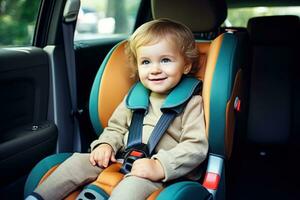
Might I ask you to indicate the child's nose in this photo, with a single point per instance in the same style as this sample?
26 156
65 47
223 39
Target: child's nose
155 69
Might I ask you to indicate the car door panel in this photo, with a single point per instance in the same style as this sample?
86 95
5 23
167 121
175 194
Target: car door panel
25 134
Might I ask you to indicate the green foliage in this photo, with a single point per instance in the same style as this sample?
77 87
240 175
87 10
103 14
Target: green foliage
239 17
17 20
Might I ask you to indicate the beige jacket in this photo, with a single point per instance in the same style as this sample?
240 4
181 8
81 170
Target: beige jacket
181 149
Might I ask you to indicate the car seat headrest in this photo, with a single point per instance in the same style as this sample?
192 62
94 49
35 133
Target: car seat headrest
273 29
198 15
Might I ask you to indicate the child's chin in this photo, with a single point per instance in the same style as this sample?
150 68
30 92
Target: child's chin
160 91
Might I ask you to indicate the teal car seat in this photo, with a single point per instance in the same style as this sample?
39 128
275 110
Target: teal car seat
221 60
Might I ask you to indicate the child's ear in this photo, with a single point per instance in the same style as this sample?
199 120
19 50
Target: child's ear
187 68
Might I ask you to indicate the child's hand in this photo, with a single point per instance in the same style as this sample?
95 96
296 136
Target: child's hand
102 155
148 168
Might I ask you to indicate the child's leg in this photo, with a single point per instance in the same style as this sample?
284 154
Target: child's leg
134 188
72 173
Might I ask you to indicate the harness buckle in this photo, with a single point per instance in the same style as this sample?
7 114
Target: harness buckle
132 154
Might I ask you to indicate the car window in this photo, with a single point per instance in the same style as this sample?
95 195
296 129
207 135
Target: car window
105 18
17 22
238 17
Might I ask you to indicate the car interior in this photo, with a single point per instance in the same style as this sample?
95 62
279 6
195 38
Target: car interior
57 94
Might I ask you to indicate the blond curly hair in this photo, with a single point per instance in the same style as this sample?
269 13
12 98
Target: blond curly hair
152 31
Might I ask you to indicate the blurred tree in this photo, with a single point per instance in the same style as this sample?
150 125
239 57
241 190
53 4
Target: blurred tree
17 20
239 17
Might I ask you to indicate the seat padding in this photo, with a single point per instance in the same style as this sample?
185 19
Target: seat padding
39 171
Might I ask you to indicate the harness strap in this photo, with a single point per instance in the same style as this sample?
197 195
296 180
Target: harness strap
136 128
135 148
162 125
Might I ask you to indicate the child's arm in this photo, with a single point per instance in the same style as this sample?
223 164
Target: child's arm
101 155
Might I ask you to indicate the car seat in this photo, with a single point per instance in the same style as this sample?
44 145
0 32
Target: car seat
221 60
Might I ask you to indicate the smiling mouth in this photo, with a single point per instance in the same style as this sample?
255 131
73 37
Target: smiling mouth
157 79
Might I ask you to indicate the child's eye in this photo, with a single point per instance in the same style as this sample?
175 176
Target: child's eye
145 62
165 60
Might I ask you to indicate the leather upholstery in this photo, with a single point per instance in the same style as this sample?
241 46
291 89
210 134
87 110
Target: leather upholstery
210 67
109 178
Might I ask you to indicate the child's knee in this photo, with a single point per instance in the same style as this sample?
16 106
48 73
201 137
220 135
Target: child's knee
79 166
78 160
133 187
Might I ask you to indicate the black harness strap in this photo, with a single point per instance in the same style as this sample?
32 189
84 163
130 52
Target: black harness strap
162 125
136 128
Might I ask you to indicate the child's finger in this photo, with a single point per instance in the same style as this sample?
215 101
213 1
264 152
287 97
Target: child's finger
106 158
113 158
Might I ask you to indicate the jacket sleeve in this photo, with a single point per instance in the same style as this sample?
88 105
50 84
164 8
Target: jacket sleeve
192 148
117 127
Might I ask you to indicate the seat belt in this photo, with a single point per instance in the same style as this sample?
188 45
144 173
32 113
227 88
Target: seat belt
162 125
69 18
135 127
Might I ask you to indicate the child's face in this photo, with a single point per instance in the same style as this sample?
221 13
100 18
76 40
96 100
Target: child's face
161 66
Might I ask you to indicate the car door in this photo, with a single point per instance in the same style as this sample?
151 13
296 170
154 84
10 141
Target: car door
27 130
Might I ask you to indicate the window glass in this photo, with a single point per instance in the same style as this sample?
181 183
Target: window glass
239 17
106 18
17 21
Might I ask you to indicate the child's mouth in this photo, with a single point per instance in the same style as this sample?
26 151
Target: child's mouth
157 79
